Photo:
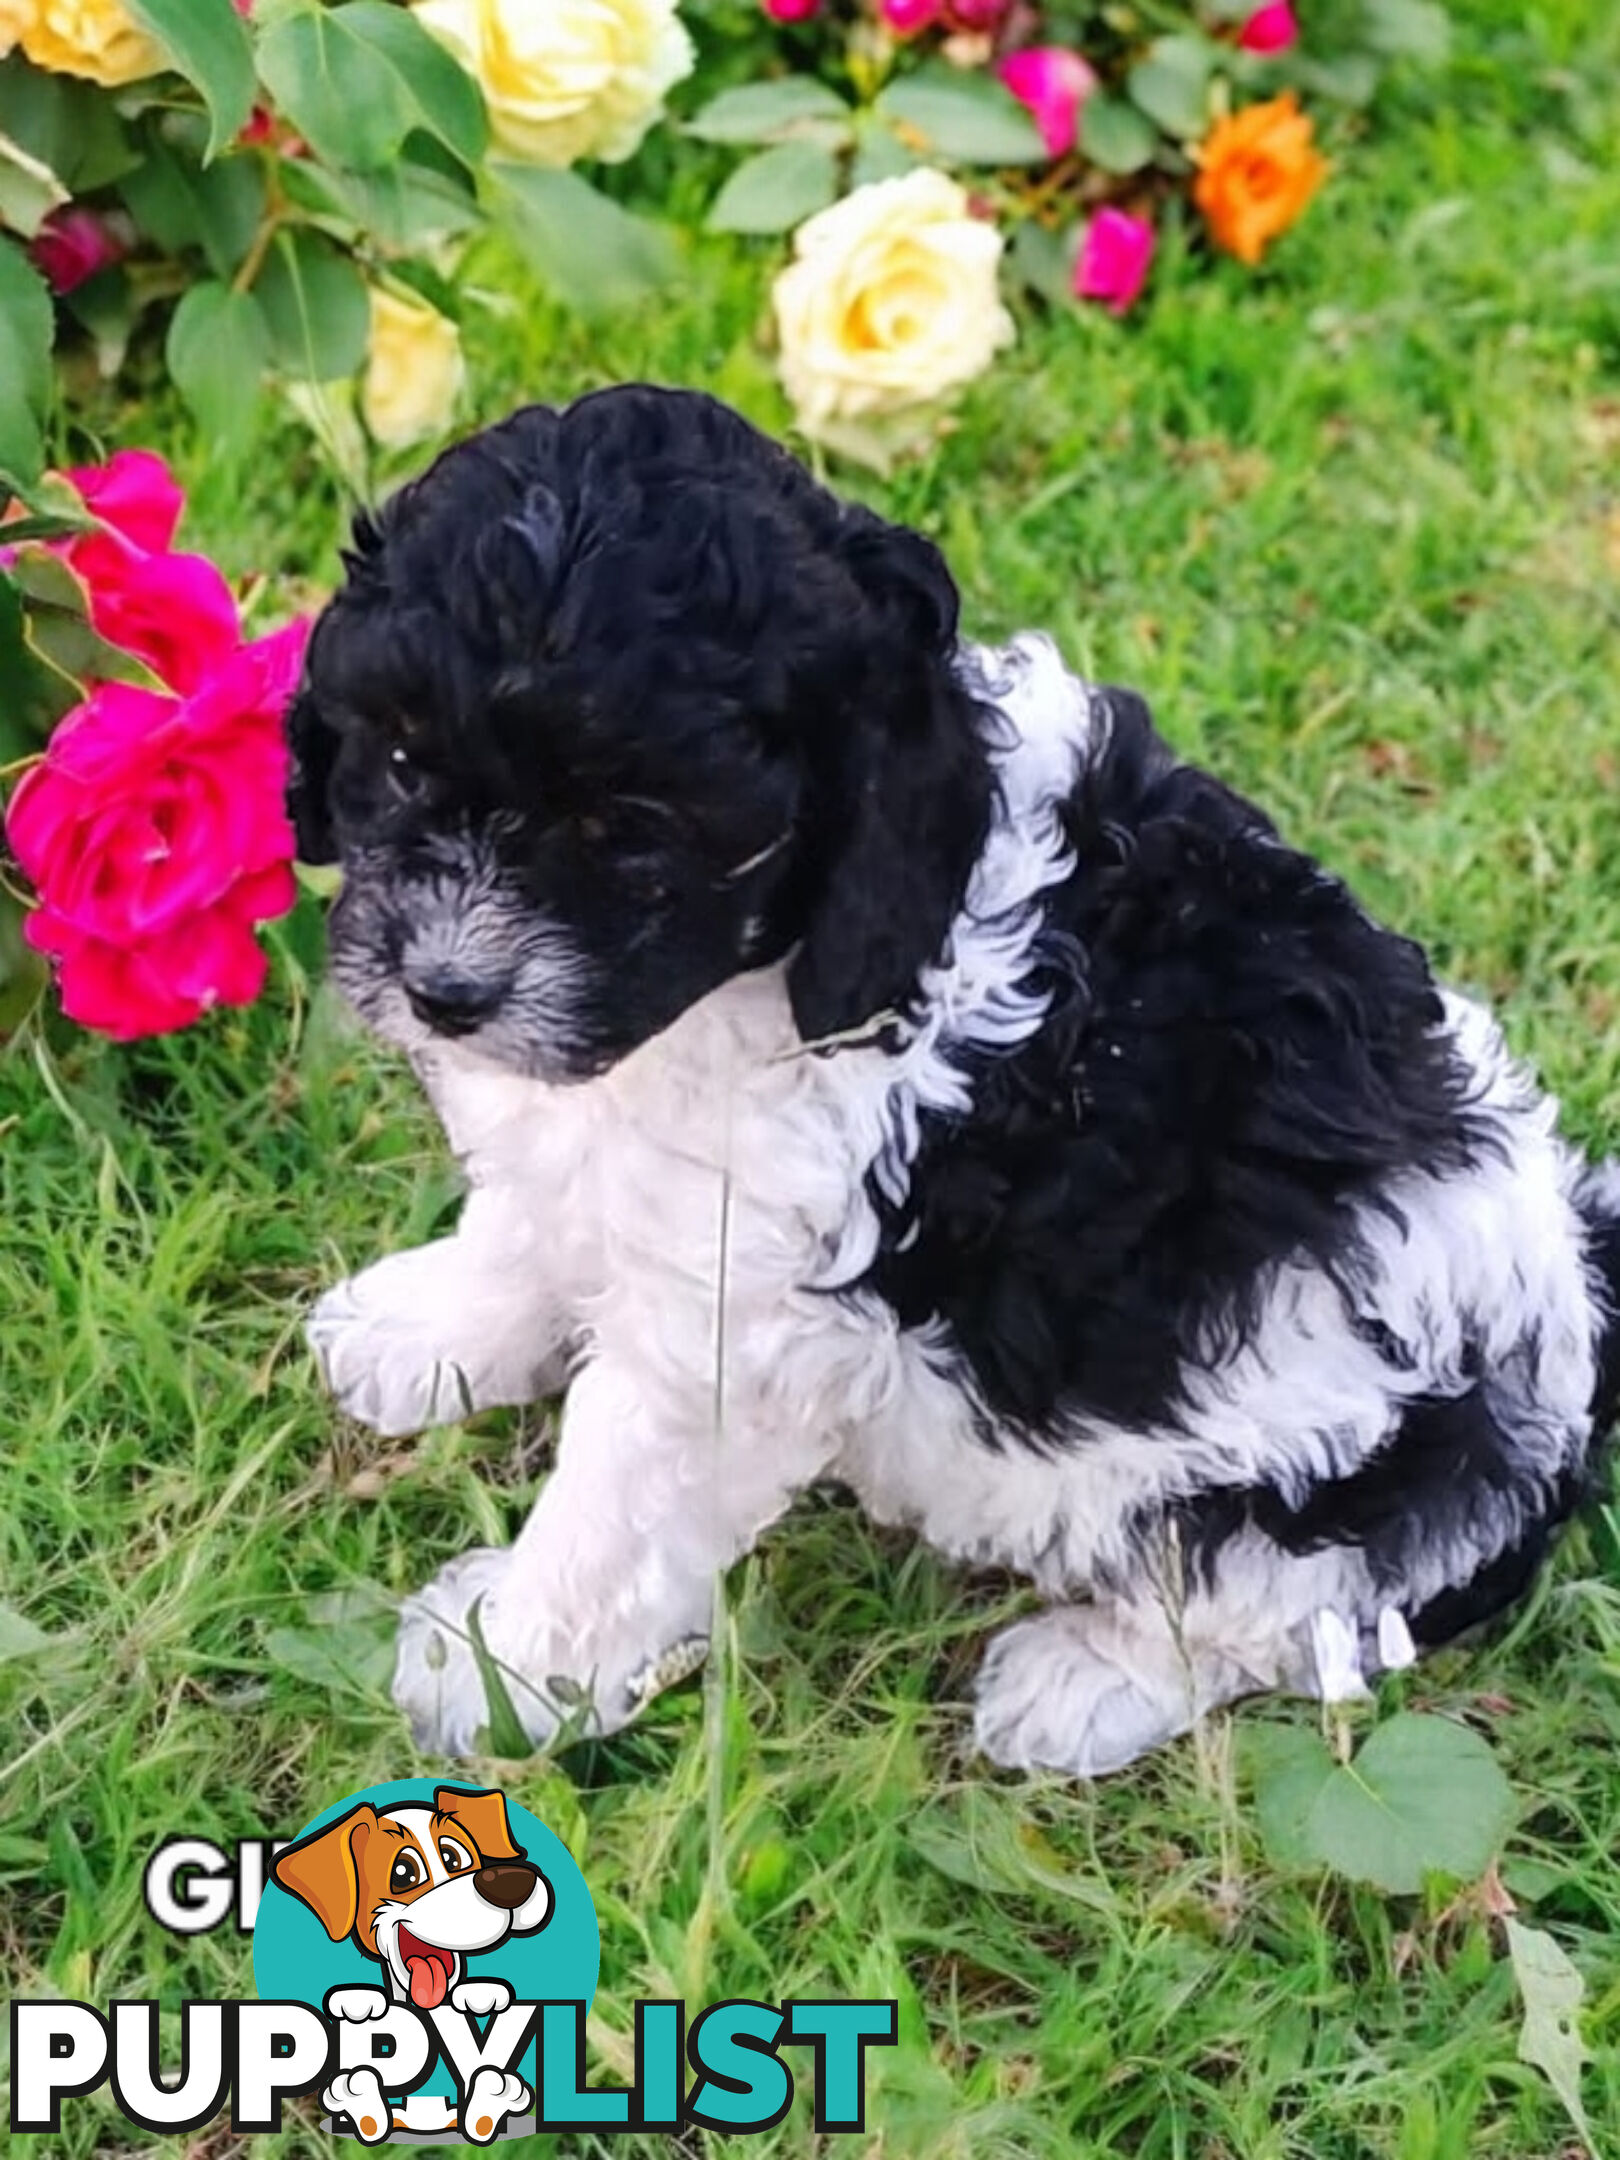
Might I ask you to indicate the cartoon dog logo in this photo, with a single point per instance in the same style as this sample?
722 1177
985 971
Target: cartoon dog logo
420 1889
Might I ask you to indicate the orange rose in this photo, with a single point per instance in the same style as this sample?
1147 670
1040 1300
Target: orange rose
1257 171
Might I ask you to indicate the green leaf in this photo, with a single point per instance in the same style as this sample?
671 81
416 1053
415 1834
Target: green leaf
1290 1766
73 127
965 119
1115 135
442 96
768 112
879 153
356 80
1423 1797
218 347
229 203
1550 2038
1409 30
29 190
1171 84
405 205
592 253
27 325
776 189
1349 79
327 82
181 205
206 41
314 302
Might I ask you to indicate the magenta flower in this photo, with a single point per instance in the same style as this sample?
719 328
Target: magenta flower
1270 29
72 245
1113 261
906 17
790 11
1054 83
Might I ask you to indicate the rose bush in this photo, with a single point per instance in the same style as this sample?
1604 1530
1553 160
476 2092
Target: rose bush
153 826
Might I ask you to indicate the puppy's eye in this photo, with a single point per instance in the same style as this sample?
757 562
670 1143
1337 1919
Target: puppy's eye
452 1855
406 780
405 1873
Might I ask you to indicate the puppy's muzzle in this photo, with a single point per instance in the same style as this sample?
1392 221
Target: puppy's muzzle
450 1002
505 1884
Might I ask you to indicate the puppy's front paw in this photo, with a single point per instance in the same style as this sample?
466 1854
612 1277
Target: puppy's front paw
436 1678
492 2096
378 1341
358 2094
480 1998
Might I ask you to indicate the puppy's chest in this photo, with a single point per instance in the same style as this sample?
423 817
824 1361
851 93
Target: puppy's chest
722 1148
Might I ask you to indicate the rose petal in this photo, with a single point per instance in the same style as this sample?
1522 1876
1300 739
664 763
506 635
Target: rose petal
136 494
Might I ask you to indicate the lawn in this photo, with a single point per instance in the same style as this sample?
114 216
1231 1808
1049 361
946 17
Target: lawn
1353 524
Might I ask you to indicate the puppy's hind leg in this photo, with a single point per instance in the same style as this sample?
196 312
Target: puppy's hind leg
1087 1689
463 1324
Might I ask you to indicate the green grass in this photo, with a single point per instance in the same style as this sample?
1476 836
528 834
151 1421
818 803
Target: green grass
1354 525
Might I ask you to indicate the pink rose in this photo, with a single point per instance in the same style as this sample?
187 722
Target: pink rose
1113 260
907 17
790 11
175 612
72 245
1270 29
1053 82
136 494
155 832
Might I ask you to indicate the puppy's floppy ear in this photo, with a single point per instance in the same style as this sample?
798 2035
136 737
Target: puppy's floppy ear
908 807
314 747
323 1870
482 1814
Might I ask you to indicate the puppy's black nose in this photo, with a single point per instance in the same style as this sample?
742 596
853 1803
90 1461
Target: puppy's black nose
505 1883
451 1003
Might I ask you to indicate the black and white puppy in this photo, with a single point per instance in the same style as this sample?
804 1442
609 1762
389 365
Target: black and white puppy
880 1058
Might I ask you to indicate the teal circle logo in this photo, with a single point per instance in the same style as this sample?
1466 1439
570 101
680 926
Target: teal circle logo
422 1891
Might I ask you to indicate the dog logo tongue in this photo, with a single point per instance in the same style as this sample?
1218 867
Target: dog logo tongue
429 1969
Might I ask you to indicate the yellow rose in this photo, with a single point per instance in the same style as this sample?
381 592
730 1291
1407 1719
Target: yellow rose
96 38
566 79
414 371
890 301
16 16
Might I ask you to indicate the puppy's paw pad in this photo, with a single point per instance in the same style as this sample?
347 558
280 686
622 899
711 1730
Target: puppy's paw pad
492 2097
358 2094
480 1998
356 2005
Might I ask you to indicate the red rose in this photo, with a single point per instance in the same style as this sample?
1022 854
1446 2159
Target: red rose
155 832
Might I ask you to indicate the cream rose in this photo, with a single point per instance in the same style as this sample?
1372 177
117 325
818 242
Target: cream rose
414 371
566 79
97 38
889 303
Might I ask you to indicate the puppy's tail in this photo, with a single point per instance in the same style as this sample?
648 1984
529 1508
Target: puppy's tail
1598 1199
